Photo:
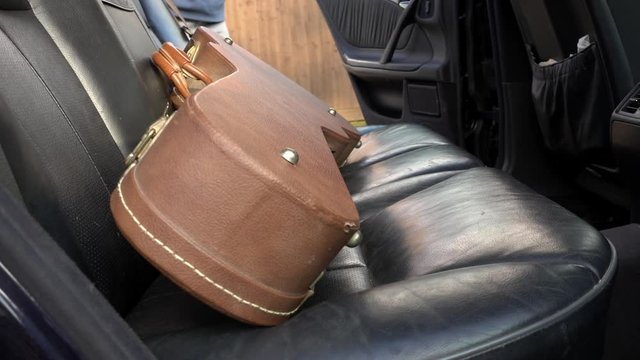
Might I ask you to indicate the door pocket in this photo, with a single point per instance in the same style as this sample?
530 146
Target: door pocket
573 102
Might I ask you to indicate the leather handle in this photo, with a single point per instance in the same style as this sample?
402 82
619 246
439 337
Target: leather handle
185 63
172 70
174 62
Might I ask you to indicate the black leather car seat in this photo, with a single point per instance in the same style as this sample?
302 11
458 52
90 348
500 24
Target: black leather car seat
475 265
455 271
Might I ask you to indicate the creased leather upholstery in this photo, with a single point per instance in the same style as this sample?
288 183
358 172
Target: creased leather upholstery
384 142
397 161
456 270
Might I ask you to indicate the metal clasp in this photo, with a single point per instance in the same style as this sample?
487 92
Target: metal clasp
146 140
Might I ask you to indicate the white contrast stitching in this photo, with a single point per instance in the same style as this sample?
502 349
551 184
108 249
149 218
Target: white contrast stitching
193 268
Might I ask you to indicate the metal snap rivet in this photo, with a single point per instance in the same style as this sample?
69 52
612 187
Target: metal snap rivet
355 240
290 155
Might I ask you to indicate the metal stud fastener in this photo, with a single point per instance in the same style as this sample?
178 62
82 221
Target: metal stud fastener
291 155
355 240
332 111
228 41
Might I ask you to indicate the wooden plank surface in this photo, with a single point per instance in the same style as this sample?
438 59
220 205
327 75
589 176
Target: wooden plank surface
293 37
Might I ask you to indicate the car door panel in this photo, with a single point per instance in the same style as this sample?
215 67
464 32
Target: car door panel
402 61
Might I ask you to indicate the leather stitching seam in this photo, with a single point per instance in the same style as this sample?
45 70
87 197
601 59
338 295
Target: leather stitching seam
193 268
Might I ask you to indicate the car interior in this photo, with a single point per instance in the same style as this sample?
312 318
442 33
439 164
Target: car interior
496 184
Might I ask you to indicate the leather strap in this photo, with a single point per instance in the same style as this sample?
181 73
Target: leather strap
175 64
185 63
180 20
172 70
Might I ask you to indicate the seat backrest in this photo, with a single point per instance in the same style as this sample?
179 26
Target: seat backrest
75 96
101 41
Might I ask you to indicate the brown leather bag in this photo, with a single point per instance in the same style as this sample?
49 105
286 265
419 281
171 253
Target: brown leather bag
237 197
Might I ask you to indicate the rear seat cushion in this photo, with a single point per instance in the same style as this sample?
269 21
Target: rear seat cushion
456 270
398 160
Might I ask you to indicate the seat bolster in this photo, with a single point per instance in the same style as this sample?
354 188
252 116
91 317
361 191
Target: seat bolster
456 314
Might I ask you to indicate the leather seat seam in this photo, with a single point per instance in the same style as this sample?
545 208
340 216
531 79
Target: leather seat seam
528 260
386 156
454 169
450 173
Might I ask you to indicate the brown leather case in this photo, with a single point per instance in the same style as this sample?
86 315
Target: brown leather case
238 197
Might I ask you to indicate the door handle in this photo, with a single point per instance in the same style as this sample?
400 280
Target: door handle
405 19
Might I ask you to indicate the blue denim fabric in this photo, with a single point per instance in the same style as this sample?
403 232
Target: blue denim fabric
206 11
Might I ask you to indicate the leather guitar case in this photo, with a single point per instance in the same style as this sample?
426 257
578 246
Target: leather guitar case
237 197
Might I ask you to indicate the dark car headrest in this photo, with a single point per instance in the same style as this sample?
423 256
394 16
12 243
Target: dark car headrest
15 5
